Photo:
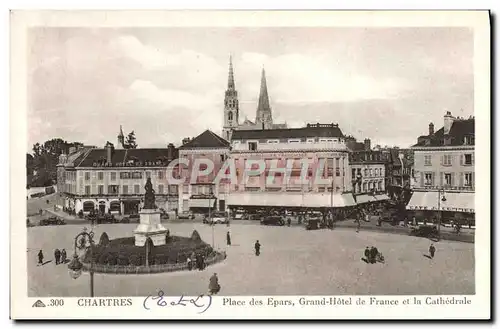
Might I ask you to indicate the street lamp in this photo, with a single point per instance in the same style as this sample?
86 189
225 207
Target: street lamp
75 267
210 214
441 198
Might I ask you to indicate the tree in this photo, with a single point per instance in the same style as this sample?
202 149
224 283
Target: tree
130 142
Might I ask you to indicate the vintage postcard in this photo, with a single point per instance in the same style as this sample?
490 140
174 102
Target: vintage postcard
250 165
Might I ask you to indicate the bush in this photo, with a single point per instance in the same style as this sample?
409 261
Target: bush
104 240
122 260
195 236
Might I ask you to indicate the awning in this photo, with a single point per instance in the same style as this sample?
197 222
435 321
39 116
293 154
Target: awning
365 198
278 199
382 197
201 203
460 202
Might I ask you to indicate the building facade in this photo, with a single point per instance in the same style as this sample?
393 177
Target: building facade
444 171
199 192
326 179
112 180
263 117
368 176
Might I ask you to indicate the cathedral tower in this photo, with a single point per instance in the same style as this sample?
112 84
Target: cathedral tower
121 139
231 107
264 117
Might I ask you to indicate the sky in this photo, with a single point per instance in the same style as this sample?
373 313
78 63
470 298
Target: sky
386 84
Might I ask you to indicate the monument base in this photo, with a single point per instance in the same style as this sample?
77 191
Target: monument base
150 227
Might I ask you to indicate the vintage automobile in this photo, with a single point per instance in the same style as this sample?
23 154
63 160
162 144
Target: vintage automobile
272 220
425 231
216 218
312 224
52 220
185 215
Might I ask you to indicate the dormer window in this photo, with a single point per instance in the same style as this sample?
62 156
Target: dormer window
468 140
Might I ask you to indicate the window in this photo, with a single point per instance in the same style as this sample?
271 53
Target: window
222 157
353 173
447 179
376 172
112 189
87 189
148 174
100 175
160 174
137 175
173 189
160 189
310 140
125 189
87 176
428 179
468 179
364 187
230 115
447 160
113 175
337 167
125 175
427 160
100 189
366 172
380 186
136 189
294 141
273 141
467 159
252 146
371 172
469 140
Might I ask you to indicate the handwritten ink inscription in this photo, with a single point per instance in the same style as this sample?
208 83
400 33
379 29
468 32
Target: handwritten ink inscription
202 302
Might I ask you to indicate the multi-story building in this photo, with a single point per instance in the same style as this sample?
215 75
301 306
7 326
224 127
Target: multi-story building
444 171
263 117
368 176
317 153
400 174
199 192
112 180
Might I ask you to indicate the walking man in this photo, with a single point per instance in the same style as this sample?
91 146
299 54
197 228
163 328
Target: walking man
63 256
228 238
57 256
358 225
373 255
257 248
40 257
367 254
432 250
213 285
288 221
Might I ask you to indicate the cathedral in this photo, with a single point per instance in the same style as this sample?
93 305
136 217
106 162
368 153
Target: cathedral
264 115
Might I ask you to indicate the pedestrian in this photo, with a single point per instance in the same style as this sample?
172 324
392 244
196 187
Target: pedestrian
367 254
213 285
375 252
57 255
189 263
358 225
40 257
63 256
257 248
228 238
289 221
414 221
373 255
432 250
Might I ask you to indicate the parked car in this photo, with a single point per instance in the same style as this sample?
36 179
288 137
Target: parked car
216 218
425 231
240 215
52 220
312 224
185 215
272 220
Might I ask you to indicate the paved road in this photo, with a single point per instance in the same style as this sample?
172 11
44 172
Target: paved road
293 262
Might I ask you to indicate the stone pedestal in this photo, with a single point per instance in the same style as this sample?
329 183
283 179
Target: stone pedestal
150 227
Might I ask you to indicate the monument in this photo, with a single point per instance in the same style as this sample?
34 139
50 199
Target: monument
150 225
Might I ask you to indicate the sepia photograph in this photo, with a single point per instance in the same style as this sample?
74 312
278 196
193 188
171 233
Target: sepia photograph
226 161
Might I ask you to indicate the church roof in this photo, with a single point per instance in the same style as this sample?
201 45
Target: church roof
310 131
206 139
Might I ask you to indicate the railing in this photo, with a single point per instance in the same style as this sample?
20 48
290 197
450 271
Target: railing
446 188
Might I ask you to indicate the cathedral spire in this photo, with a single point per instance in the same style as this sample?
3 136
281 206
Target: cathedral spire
121 139
230 79
264 114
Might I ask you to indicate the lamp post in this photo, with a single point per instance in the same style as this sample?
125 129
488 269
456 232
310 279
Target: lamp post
75 266
441 198
210 215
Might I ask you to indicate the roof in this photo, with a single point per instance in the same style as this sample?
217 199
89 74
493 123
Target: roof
207 139
139 157
459 129
311 131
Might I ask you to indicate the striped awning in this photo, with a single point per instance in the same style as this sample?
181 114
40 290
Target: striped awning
365 198
460 202
201 203
279 199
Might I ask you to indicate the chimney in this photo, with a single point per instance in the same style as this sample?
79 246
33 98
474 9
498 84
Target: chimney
448 122
186 140
109 152
431 129
170 152
368 145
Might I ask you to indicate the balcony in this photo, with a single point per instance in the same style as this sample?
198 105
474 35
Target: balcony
446 188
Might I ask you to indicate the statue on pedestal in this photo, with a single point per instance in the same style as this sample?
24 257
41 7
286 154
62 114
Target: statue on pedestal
149 196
